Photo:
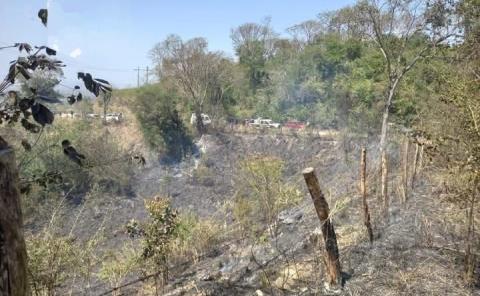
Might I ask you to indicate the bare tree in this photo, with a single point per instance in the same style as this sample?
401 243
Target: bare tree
306 32
195 70
346 22
396 27
247 38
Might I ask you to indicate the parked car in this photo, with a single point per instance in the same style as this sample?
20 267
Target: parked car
66 114
115 117
295 124
205 119
265 123
92 116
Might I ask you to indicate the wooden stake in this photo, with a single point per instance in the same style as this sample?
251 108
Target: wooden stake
405 170
415 164
363 191
331 248
420 160
13 255
386 201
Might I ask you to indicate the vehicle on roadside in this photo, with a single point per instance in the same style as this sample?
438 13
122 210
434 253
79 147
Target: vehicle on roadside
295 124
205 119
66 114
113 117
248 122
264 123
93 116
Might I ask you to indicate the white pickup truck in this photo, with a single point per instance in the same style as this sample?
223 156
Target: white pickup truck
261 122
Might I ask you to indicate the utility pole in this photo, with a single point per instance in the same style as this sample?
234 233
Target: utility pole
138 76
147 75
147 71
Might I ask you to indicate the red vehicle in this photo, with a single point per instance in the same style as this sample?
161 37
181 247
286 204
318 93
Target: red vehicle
294 124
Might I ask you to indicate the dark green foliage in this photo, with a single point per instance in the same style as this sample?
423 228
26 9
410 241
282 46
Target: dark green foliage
161 123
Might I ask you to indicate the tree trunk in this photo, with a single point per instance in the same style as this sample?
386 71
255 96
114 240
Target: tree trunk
386 113
383 144
363 190
386 201
199 121
13 254
405 170
331 249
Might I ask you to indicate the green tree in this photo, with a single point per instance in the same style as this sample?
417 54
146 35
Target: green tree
405 32
254 45
156 110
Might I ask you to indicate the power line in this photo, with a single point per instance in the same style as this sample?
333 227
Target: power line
74 61
147 72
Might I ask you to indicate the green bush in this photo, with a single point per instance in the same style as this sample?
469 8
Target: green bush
263 192
195 236
161 123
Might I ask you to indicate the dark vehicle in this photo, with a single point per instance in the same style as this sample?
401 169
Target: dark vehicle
249 121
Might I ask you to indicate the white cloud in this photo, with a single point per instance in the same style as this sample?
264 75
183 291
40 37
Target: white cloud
76 53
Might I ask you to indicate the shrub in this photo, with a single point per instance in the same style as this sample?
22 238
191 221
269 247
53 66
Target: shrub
117 265
195 236
51 261
156 235
263 191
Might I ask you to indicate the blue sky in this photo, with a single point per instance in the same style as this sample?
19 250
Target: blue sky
109 38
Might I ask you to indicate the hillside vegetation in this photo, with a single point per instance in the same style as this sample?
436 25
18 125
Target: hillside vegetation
156 204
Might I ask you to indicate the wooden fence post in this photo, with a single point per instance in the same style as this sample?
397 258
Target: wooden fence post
13 254
332 260
420 160
363 191
386 201
415 165
405 169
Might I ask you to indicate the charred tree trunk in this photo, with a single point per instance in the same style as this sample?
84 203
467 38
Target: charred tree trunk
363 190
385 198
332 260
13 254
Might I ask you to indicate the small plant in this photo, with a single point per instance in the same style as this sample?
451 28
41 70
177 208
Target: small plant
242 210
195 236
52 259
157 235
117 265
261 183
